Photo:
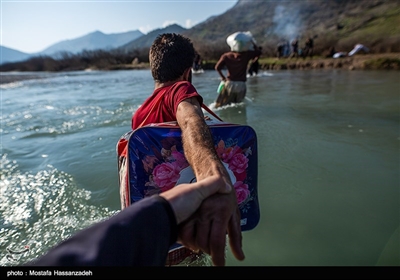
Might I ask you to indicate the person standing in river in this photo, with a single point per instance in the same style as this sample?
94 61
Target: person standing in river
254 65
236 63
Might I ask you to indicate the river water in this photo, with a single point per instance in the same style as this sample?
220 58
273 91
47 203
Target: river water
328 152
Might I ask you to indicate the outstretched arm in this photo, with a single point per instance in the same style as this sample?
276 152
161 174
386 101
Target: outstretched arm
219 214
197 141
132 237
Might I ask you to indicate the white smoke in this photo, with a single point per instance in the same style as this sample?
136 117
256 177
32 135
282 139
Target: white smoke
287 22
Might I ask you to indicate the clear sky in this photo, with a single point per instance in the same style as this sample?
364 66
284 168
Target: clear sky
31 26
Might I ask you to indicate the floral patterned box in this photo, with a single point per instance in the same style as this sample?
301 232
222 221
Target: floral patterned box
156 163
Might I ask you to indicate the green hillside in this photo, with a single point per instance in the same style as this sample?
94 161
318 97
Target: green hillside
334 23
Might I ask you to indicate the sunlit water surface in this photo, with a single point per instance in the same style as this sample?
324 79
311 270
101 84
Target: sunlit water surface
328 179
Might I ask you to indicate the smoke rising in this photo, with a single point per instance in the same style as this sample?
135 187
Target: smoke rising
287 22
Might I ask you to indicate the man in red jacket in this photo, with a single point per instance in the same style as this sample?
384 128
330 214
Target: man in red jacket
176 99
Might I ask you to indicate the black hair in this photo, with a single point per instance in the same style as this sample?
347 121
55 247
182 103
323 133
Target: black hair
170 55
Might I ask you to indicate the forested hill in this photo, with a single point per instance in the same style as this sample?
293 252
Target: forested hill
338 23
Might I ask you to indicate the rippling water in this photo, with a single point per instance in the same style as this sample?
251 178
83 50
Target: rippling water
328 161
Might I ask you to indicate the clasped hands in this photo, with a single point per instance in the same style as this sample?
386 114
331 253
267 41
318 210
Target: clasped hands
207 212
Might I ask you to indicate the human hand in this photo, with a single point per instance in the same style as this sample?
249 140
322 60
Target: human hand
206 230
185 199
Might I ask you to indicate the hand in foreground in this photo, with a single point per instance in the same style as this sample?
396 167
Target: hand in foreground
185 199
206 230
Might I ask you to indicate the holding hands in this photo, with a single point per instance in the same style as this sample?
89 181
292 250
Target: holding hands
217 215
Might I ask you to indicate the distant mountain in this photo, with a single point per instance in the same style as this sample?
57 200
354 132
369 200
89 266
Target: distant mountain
95 41
92 41
11 55
145 41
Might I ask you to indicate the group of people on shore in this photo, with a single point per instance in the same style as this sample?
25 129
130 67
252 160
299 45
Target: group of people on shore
292 50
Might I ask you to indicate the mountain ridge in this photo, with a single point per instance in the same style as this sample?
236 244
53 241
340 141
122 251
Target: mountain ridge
12 55
334 23
146 40
92 41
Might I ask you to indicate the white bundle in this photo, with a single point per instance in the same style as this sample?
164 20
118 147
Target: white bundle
241 41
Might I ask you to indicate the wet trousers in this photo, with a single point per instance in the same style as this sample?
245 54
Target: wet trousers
233 92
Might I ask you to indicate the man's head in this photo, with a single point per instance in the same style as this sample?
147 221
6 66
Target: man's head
170 55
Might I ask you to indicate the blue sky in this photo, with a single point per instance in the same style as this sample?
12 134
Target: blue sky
31 26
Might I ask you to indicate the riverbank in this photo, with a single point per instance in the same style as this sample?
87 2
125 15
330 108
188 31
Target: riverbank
387 61
384 61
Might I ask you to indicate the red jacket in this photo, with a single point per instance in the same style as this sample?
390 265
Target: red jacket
161 106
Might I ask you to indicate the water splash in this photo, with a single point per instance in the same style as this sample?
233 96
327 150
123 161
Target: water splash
39 210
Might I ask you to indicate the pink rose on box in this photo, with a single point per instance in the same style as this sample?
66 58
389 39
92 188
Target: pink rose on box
235 157
166 175
238 163
242 191
230 152
240 176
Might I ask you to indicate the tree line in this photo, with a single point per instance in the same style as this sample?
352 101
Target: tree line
117 58
67 61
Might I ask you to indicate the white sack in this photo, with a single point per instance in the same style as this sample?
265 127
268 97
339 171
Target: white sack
241 41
